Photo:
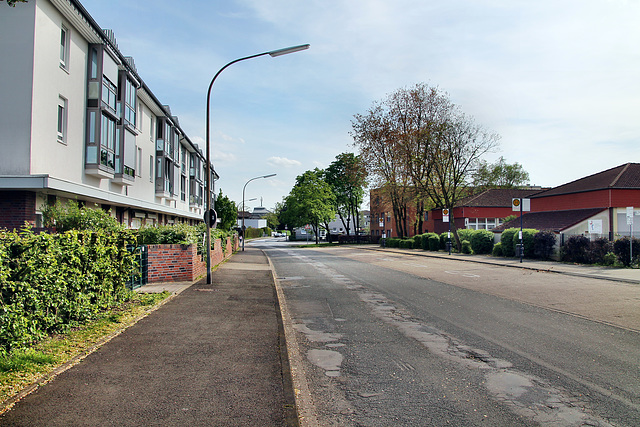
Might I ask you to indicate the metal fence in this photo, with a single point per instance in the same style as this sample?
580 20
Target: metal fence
140 276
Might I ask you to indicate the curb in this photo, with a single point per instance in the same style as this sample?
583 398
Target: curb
293 378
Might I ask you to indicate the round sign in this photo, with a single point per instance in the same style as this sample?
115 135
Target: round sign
516 202
211 217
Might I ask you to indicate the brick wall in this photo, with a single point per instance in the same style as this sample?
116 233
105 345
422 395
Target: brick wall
16 207
181 263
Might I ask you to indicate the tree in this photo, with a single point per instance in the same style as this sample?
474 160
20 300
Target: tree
460 146
272 220
347 178
418 138
12 3
499 175
227 212
311 201
382 156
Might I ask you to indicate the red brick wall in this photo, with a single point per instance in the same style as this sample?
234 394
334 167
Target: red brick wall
181 263
16 207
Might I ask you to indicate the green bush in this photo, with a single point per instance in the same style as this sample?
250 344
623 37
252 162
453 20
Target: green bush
465 234
576 249
528 240
426 237
482 241
497 250
51 282
393 242
434 242
417 241
610 258
507 238
444 239
621 248
406 243
71 216
598 249
466 247
543 244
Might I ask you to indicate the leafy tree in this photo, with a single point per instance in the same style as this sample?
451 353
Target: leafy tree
500 175
311 201
227 211
418 138
381 153
12 3
347 178
272 220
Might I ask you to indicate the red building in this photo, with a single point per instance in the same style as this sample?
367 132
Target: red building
485 210
599 201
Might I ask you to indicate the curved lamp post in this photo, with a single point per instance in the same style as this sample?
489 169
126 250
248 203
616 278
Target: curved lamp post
243 188
272 53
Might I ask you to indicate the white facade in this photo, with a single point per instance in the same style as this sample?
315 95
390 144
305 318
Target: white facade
79 123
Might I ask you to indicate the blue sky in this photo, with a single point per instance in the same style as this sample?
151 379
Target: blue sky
558 80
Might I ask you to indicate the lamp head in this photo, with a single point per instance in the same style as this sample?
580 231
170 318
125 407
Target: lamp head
287 50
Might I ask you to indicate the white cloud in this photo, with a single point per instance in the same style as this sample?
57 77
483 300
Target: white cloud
283 162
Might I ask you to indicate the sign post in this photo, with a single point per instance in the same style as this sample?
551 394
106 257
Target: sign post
630 224
521 205
445 218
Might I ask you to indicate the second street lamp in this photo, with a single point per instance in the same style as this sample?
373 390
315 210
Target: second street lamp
243 188
208 207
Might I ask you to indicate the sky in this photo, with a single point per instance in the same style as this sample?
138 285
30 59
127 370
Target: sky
558 80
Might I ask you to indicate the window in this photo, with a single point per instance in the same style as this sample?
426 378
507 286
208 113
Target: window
130 102
482 223
183 188
139 162
151 168
108 142
64 47
152 128
62 120
109 94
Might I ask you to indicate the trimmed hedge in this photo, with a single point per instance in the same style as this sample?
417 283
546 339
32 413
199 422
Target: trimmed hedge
52 282
482 241
506 239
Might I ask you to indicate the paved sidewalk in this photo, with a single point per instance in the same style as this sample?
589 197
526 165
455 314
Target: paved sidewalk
209 357
627 275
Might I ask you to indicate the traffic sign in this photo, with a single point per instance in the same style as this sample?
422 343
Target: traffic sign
211 217
445 215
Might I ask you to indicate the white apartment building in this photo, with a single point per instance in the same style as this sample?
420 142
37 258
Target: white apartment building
79 123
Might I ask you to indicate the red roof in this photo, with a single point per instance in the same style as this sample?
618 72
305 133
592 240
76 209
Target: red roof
625 176
496 197
551 220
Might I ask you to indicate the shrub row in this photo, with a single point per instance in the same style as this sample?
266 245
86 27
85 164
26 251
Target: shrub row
51 282
580 249
537 244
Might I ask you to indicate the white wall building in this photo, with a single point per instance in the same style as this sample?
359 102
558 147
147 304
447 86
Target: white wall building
80 123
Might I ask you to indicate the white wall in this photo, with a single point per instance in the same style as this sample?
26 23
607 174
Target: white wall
16 67
50 82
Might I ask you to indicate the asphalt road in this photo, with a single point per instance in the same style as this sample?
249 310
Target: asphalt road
387 339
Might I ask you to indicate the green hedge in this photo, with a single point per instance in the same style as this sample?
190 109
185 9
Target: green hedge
482 241
506 240
51 282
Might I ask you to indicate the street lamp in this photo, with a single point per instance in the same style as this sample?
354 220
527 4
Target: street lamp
208 208
243 188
